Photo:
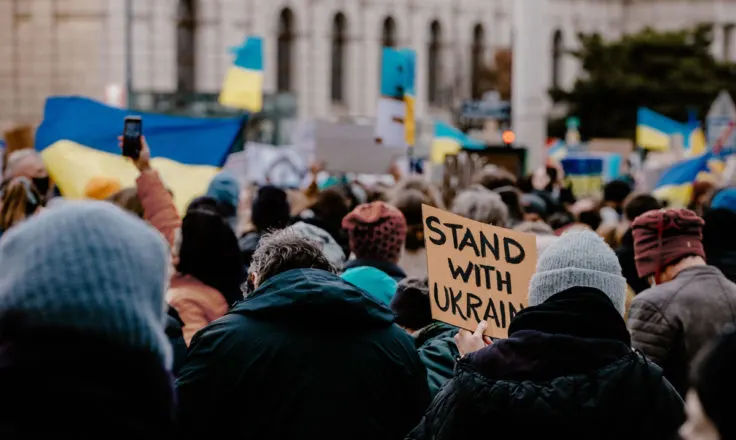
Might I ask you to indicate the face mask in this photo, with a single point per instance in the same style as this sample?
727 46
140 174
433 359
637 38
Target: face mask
42 184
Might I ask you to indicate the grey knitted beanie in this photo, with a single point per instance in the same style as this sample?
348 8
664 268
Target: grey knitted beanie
578 259
91 267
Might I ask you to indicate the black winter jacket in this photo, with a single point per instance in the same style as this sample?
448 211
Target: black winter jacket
566 371
305 356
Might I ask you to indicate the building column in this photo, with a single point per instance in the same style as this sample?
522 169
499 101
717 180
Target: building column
529 94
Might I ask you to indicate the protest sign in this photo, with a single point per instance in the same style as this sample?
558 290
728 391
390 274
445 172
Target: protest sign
476 271
351 148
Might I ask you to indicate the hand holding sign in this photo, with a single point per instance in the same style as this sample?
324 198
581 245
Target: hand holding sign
471 342
477 272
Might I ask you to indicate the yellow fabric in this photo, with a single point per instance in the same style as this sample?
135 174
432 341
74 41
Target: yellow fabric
409 123
101 187
698 143
678 196
441 147
243 89
651 139
72 166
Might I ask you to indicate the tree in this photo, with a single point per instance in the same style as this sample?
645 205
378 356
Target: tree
497 78
669 72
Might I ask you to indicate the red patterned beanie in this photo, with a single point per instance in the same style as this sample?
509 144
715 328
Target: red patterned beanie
377 231
665 236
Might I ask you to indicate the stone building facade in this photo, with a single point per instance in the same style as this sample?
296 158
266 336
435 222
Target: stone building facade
326 52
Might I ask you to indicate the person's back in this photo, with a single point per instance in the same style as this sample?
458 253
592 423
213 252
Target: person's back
691 302
306 355
566 370
83 353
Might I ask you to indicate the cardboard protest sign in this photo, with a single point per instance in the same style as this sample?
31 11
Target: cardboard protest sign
476 271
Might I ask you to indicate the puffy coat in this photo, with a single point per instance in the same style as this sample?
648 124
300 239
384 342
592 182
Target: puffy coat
306 355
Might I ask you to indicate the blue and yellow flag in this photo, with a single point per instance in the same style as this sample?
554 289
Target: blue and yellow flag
243 87
584 173
654 132
676 184
409 72
450 140
78 142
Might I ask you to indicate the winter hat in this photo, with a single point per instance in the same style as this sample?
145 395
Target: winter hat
725 199
331 249
270 209
578 259
665 236
224 188
100 188
411 305
377 231
375 282
89 266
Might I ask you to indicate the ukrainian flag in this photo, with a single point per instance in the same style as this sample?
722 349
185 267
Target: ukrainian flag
654 132
243 87
78 143
584 173
676 184
409 58
450 140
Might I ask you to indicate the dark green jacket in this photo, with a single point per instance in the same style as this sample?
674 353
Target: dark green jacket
307 355
436 347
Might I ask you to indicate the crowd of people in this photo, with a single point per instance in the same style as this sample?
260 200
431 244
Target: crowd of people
273 313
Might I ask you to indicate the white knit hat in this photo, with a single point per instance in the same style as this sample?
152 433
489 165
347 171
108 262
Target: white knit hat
578 259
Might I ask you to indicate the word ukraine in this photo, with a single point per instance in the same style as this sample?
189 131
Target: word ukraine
477 272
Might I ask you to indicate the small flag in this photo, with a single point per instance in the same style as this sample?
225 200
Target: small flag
243 86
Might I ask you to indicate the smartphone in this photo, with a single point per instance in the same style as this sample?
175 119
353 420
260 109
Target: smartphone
132 131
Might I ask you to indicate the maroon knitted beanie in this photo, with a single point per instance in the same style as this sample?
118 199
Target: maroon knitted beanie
376 231
665 236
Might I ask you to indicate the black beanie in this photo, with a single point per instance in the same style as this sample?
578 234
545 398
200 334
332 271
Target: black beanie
411 305
270 209
715 384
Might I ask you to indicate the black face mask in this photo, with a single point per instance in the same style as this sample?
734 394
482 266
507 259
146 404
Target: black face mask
42 184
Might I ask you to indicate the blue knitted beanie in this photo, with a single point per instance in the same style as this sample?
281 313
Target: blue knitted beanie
92 267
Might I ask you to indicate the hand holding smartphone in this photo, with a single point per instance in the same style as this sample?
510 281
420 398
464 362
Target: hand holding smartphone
132 132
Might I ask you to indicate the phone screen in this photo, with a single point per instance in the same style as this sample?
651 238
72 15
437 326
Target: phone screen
132 137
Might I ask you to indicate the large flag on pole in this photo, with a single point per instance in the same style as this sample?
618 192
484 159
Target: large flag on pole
243 86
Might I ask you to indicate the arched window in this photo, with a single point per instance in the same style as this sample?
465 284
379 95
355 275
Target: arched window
434 76
339 39
557 51
186 31
476 61
285 51
388 36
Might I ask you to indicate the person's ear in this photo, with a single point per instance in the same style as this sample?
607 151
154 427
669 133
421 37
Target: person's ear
253 278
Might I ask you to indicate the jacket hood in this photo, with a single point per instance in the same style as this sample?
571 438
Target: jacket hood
390 269
315 298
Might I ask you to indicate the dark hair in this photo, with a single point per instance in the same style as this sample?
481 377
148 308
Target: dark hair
616 191
639 204
270 209
19 200
560 220
209 252
409 202
411 304
512 199
591 218
128 200
225 210
331 206
714 382
717 235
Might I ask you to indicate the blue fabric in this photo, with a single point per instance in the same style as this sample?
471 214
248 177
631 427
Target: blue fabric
225 188
249 55
191 141
725 199
379 286
90 267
